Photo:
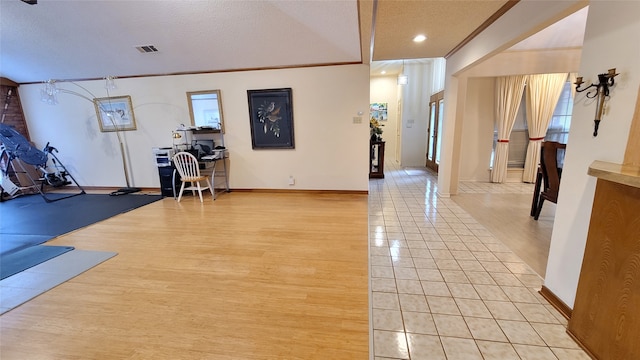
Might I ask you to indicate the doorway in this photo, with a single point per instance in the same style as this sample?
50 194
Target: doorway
434 130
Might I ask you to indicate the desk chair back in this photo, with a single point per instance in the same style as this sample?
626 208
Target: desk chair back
187 166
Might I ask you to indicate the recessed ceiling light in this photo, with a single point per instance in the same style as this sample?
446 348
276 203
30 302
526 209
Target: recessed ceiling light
383 72
419 38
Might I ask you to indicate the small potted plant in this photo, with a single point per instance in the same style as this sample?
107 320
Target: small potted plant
375 129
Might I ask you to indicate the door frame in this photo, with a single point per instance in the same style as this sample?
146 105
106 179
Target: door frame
432 125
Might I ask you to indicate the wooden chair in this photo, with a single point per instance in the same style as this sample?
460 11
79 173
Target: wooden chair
187 166
551 172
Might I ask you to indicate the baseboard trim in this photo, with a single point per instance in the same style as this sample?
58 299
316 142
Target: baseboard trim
296 191
103 188
290 191
581 344
555 301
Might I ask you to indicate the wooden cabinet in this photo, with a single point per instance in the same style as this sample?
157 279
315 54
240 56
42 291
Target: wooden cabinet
606 316
376 160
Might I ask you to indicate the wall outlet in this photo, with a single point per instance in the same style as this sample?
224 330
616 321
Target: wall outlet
292 180
357 119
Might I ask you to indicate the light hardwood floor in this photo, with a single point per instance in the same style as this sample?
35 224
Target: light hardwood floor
249 276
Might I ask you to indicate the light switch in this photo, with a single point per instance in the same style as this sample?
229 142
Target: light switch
357 119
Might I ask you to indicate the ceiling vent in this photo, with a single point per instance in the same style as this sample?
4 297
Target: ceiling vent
147 48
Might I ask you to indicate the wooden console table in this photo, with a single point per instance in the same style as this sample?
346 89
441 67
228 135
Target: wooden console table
376 160
606 317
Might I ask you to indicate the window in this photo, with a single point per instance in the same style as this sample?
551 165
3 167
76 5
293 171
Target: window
558 128
519 138
561 120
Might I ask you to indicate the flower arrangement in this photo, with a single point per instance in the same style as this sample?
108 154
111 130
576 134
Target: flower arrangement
375 129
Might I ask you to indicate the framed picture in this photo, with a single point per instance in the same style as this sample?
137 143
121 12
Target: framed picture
378 111
271 116
115 113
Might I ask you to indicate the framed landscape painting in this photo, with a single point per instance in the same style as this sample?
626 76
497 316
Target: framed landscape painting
378 111
271 116
115 113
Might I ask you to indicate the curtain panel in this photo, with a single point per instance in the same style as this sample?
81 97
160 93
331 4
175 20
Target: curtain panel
543 93
509 91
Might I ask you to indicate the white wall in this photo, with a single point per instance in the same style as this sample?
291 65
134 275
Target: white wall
415 113
521 21
614 26
477 130
528 62
331 152
478 118
384 89
437 73
611 25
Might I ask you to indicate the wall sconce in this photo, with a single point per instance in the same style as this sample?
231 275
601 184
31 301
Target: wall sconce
109 83
605 81
49 92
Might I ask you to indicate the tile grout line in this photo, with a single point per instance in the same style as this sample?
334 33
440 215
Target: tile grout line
449 223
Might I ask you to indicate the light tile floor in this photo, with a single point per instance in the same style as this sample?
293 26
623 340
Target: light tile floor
470 187
444 288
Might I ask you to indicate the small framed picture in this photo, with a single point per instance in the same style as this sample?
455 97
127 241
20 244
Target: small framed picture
271 116
378 111
115 113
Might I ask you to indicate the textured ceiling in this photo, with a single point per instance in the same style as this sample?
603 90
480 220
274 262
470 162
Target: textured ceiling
445 23
91 39
564 34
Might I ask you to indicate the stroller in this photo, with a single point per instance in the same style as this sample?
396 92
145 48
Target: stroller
16 151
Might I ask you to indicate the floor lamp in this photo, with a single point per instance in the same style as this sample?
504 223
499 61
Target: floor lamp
49 93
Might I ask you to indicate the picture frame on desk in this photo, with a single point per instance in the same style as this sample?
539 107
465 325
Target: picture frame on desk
115 113
271 117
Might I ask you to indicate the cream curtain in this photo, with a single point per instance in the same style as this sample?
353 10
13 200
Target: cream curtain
543 92
508 96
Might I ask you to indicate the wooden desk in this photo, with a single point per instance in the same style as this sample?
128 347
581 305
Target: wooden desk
211 163
206 164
